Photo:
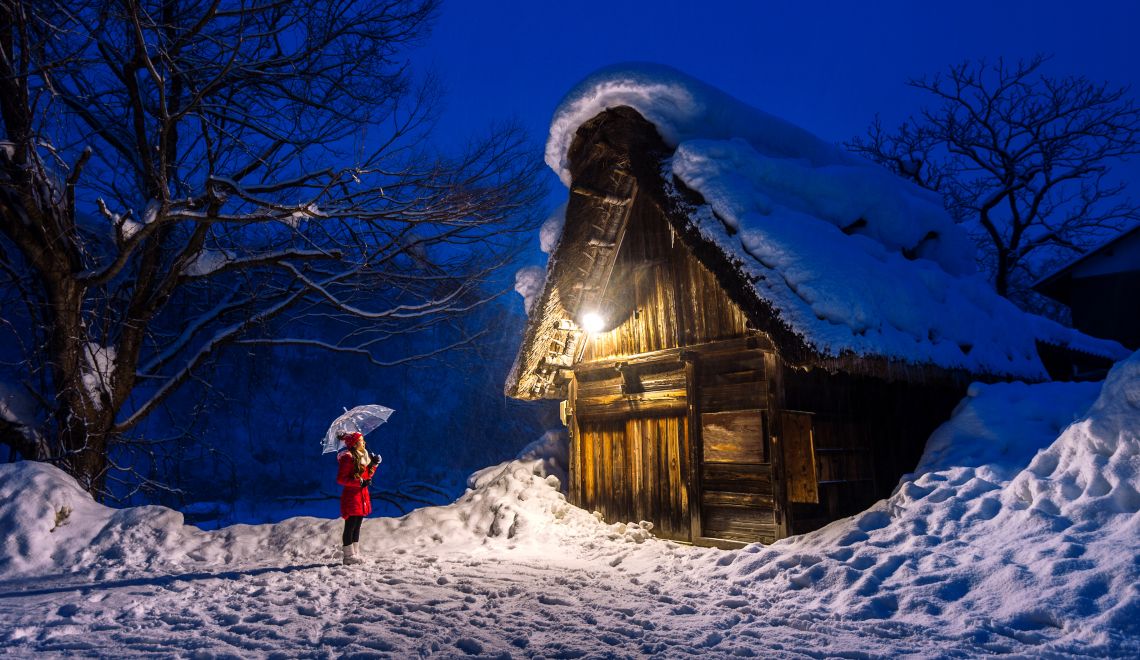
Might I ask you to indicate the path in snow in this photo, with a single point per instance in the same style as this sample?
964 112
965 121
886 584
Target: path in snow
403 605
1019 533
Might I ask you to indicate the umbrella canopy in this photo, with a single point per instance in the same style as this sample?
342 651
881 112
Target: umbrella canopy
361 419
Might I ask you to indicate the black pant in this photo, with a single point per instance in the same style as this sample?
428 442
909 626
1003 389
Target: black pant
352 529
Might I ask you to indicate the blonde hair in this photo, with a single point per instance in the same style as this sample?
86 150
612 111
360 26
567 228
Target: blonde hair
360 458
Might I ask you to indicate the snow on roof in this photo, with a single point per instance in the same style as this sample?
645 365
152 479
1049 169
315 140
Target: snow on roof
1077 260
851 257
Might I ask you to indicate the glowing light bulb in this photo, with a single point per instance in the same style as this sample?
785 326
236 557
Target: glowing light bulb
593 322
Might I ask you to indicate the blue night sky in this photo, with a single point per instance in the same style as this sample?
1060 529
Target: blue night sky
826 66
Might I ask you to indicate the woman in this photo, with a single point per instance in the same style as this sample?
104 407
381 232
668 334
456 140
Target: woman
355 470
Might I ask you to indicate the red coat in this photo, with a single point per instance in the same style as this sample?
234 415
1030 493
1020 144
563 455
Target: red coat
354 500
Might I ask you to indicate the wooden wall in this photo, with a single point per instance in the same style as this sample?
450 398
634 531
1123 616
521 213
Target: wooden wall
737 490
680 442
659 296
867 433
677 410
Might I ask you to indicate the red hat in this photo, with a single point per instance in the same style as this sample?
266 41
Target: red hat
350 440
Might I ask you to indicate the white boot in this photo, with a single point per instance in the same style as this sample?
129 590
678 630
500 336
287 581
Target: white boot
350 555
356 553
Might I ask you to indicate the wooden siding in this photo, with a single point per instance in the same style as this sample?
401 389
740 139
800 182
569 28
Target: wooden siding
659 296
866 434
736 479
635 469
799 457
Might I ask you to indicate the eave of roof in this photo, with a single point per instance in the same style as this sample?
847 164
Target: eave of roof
1054 284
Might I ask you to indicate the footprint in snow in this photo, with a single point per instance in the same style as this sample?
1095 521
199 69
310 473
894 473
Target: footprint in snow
953 590
734 603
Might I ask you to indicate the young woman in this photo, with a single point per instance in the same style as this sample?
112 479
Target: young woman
355 470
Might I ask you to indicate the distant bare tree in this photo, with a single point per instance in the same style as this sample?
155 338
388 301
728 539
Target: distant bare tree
1021 159
181 176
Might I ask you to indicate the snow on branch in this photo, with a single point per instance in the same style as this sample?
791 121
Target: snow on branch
362 351
209 262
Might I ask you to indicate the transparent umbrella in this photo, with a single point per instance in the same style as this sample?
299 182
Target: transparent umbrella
361 419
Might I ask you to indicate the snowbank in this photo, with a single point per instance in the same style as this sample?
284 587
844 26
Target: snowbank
980 545
51 525
851 257
1019 532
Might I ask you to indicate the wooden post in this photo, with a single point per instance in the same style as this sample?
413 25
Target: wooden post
574 488
774 371
695 449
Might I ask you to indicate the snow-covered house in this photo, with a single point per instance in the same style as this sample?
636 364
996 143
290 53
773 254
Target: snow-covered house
752 332
1102 289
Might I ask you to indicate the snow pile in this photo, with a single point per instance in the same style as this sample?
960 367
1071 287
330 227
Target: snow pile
52 525
981 546
208 261
1018 533
551 230
16 407
1092 473
852 257
514 505
529 282
682 108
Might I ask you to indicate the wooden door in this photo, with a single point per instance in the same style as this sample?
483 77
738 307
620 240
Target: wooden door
636 469
799 457
736 490
631 453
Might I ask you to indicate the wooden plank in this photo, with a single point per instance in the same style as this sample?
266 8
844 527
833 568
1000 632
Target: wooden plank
680 496
733 437
733 477
723 349
735 396
620 478
696 438
665 380
682 424
586 480
635 449
721 498
773 368
739 367
653 461
662 402
740 524
602 387
799 454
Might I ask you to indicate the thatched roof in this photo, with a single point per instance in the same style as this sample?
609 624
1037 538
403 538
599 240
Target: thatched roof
885 292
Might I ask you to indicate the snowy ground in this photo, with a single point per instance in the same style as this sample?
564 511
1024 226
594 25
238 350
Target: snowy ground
1018 534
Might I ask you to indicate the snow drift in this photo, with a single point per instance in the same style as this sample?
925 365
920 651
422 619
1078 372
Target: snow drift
982 545
52 525
1018 532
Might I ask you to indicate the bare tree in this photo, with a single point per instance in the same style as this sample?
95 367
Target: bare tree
1021 158
182 176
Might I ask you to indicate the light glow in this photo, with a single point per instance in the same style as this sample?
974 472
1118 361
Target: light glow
593 322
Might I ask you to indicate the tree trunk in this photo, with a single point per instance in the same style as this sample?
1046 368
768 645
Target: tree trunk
84 414
1001 274
84 449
